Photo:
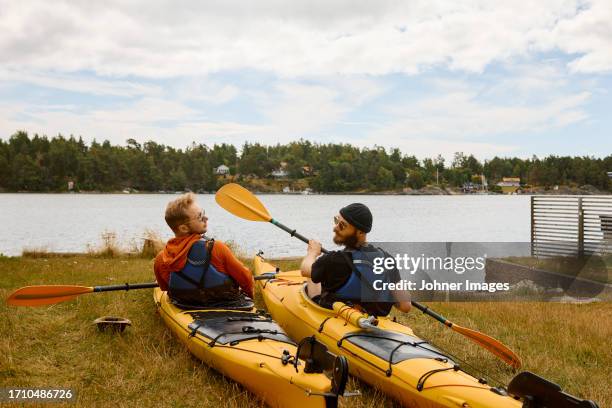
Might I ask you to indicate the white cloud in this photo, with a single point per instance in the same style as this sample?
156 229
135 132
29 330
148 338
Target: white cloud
303 108
589 34
451 115
291 39
139 121
289 110
297 109
528 81
460 115
209 91
66 82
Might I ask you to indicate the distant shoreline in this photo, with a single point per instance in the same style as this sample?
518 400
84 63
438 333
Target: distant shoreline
426 191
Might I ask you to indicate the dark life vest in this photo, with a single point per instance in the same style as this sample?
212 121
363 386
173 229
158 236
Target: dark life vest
199 282
359 288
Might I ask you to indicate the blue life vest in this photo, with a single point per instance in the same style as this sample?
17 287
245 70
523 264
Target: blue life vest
359 288
199 282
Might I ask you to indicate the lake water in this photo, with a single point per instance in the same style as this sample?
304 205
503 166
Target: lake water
71 222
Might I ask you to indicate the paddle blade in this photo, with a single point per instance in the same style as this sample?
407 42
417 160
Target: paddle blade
242 203
489 343
46 294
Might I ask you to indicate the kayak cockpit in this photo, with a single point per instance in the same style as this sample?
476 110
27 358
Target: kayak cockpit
233 327
393 347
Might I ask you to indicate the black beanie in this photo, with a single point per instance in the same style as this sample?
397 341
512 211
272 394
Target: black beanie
358 215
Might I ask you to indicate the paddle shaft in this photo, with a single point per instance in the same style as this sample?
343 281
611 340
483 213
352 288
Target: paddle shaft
431 313
293 233
125 286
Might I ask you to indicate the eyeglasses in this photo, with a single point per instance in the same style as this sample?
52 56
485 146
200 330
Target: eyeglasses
201 216
341 224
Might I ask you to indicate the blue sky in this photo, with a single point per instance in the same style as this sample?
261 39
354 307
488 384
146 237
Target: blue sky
516 79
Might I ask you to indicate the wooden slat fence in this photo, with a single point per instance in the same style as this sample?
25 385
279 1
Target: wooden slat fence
571 225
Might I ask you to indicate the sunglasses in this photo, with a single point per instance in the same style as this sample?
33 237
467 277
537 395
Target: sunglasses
341 224
200 217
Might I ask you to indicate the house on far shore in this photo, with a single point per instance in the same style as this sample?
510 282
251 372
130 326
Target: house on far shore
478 185
470 187
222 170
280 173
510 185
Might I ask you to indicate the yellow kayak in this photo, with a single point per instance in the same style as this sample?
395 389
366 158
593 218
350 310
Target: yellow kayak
387 355
250 348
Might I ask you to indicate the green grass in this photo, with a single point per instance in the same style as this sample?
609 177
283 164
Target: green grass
57 346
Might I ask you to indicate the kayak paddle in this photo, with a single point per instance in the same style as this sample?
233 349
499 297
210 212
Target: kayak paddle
487 342
242 203
49 294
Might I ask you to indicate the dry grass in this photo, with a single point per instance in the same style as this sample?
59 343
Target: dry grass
152 244
568 344
147 247
109 248
57 346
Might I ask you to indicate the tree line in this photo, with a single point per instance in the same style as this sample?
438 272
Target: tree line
41 164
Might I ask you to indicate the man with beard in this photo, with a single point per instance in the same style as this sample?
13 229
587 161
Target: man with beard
347 275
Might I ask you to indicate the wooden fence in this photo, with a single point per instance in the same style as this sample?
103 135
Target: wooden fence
571 225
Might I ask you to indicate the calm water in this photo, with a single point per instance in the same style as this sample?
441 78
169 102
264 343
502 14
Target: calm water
71 222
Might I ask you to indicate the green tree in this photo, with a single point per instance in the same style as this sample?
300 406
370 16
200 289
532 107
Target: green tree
415 179
255 160
384 180
5 169
178 180
25 174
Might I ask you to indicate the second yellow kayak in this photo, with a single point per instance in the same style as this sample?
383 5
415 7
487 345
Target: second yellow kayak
388 356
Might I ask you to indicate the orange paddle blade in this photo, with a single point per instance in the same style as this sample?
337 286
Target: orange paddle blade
46 294
489 343
242 203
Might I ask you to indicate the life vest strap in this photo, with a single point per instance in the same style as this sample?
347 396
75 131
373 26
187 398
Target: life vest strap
209 247
363 261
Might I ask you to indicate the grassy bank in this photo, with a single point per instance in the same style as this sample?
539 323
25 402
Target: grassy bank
57 346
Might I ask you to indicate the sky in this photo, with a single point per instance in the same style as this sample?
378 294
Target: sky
515 78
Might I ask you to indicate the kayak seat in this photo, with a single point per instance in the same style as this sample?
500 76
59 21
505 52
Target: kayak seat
393 347
243 303
232 327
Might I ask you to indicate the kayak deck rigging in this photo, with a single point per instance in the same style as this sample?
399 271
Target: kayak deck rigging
393 347
234 327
